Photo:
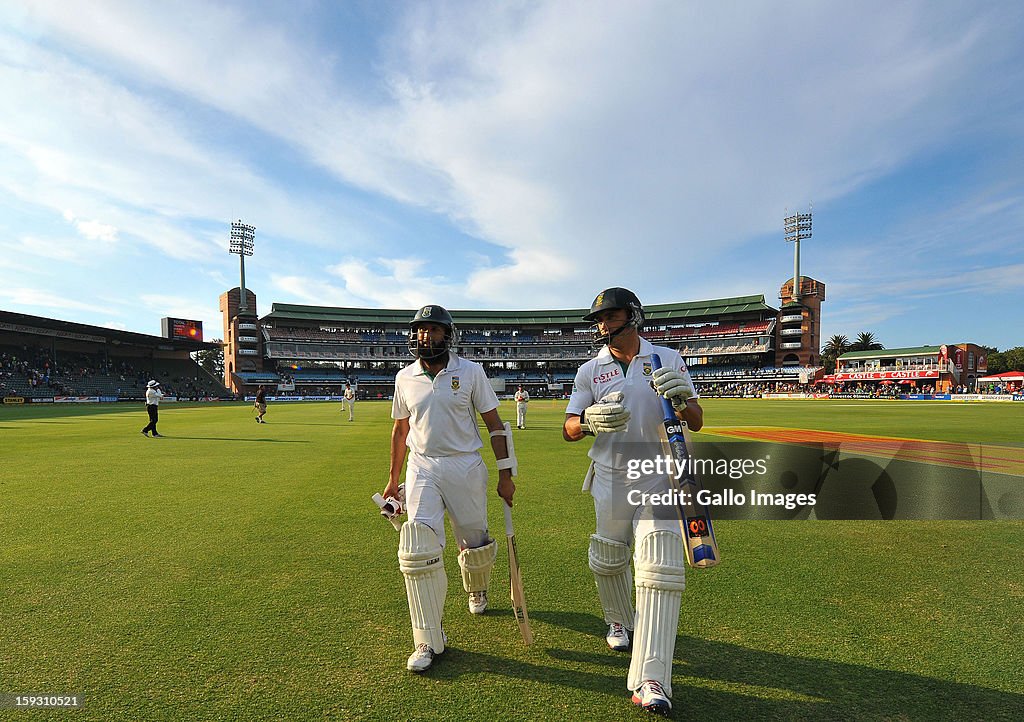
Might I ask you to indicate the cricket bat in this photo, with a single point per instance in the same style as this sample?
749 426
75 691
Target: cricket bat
695 521
518 597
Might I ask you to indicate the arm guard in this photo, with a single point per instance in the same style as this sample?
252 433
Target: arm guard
509 462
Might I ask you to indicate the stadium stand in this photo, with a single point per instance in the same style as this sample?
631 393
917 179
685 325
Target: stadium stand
44 358
729 340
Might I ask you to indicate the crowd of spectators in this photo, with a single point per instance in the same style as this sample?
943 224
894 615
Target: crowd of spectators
36 371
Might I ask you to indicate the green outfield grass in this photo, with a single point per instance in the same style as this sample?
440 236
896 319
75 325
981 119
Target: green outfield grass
238 571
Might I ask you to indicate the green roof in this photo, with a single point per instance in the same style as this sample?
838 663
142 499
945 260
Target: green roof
886 353
569 317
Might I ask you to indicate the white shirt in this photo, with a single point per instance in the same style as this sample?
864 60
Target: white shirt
153 396
522 397
442 411
602 375
350 395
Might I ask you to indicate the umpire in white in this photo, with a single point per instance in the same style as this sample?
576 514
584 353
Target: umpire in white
436 401
615 399
153 396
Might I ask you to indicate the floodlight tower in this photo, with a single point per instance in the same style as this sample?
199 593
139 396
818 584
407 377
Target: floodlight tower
242 239
798 228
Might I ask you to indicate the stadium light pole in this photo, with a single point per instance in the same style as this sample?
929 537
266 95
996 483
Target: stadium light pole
798 228
242 241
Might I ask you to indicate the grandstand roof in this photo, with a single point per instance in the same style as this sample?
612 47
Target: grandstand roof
381 316
886 353
55 328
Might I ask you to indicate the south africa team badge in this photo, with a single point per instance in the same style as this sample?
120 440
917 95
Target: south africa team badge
647 369
455 383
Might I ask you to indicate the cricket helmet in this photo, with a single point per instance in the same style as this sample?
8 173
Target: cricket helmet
612 298
432 314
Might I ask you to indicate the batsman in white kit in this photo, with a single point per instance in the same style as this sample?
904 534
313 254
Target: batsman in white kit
615 398
437 398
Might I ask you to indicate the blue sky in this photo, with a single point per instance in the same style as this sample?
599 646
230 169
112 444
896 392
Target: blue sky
515 155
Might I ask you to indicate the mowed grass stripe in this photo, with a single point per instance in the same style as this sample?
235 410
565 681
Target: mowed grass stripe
239 571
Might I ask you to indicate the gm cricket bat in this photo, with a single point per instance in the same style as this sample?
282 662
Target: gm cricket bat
698 534
518 598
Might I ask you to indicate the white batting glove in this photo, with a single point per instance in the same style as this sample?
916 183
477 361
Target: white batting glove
606 416
674 386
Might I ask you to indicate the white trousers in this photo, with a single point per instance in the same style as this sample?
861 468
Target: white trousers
456 484
657 611
521 414
609 488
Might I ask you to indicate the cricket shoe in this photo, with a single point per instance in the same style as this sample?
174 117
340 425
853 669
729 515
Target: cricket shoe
477 602
617 637
157 436
146 434
652 698
423 656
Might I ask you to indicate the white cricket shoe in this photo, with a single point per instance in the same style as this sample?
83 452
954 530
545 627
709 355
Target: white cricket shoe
477 602
618 637
423 656
421 659
652 697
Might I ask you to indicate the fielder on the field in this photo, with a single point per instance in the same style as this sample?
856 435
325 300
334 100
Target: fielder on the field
436 401
615 399
522 398
348 398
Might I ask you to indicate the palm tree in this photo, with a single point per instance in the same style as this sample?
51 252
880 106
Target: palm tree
866 341
836 347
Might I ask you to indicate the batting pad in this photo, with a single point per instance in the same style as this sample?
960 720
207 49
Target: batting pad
476 565
660 580
426 584
609 560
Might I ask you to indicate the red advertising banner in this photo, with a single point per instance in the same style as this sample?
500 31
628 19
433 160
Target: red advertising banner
878 375
958 359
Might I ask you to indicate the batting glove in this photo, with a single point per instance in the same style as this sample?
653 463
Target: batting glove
674 386
606 416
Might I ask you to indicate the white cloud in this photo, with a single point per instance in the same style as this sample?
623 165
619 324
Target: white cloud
313 291
35 298
96 231
634 130
55 249
396 283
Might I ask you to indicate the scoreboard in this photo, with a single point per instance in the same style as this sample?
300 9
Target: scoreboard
181 328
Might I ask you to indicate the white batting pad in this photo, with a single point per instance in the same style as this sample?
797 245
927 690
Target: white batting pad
609 560
660 580
476 565
426 584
